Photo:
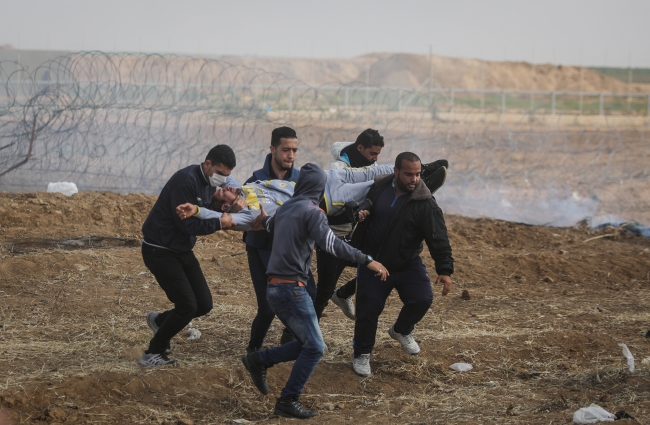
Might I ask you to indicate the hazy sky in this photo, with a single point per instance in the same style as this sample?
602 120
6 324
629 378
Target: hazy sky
588 32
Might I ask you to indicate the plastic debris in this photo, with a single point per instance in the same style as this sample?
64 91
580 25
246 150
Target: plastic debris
193 334
592 414
461 367
628 356
65 188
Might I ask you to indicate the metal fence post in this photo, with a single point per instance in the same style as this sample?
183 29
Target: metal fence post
503 101
291 98
399 100
347 94
600 104
553 103
451 108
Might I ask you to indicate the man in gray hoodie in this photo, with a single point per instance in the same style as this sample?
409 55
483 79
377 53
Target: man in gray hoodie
301 224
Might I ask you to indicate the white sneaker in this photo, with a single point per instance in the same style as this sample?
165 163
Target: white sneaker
156 360
408 343
361 365
151 321
345 304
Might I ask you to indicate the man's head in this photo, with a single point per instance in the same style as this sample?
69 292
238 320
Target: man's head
407 171
284 146
220 160
224 199
369 144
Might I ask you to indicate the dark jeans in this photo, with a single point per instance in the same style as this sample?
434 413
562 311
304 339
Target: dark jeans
180 276
258 261
295 308
414 288
329 271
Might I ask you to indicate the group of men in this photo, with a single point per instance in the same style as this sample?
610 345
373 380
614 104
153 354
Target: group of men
287 213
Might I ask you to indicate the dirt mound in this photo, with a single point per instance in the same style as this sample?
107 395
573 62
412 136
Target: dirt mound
413 71
543 312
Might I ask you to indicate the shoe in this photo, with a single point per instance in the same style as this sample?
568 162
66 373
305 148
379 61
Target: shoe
409 345
345 304
646 335
430 168
153 359
257 370
252 349
435 180
151 321
286 337
361 365
290 407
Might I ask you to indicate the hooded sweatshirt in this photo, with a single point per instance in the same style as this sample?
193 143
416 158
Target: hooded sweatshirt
299 224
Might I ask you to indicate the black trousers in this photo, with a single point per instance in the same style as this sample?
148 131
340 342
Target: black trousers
414 288
329 270
180 276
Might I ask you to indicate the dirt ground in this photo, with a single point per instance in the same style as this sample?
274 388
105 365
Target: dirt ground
547 309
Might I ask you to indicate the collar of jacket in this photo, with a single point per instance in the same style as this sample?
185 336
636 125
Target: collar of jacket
268 174
421 191
199 170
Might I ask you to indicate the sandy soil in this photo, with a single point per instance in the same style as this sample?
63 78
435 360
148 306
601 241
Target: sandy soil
547 308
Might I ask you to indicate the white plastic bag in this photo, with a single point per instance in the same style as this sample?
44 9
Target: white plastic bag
66 188
461 367
628 356
592 414
193 334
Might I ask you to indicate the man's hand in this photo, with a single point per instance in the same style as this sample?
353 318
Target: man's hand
363 215
446 284
257 223
186 210
239 204
379 269
226 221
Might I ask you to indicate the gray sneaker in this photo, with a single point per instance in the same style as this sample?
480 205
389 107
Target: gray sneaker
153 359
409 345
345 304
361 365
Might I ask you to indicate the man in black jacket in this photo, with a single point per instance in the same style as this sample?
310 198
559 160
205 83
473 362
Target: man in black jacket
167 249
404 215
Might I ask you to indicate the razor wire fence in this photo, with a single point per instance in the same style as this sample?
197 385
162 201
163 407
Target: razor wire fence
125 123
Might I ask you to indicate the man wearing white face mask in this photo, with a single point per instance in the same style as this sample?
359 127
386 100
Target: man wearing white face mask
167 249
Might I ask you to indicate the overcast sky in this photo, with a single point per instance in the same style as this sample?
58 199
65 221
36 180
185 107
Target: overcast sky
587 32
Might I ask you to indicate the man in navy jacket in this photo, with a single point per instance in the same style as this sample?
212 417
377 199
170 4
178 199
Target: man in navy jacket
167 249
277 166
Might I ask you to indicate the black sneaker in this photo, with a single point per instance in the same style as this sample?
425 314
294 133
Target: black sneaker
257 370
287 336
252 349
430 168
647 334
436 180
290 407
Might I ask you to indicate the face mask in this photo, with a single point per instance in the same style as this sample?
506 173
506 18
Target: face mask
217 180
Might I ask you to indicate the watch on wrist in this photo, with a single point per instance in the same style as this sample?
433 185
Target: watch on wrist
369 260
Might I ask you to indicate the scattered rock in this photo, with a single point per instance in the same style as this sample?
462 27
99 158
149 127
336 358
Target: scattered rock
327 406
339 406
184 421
55 414
465 295
166 403
548 279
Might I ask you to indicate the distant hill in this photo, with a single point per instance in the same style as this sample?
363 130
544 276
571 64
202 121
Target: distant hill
409 71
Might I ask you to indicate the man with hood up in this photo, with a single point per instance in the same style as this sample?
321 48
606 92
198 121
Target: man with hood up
301 224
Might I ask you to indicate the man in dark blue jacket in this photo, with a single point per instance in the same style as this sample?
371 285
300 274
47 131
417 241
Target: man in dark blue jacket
299 224
277 166
404 215
167 249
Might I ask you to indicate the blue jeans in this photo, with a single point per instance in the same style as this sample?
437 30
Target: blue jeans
295 308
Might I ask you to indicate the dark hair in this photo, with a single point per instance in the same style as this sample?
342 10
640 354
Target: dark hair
222 154
409 156
369 138
282 133
216 204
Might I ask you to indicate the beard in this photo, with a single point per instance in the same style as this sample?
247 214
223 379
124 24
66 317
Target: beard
282 165
403 187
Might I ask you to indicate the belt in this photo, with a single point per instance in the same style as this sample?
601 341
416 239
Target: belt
276 280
